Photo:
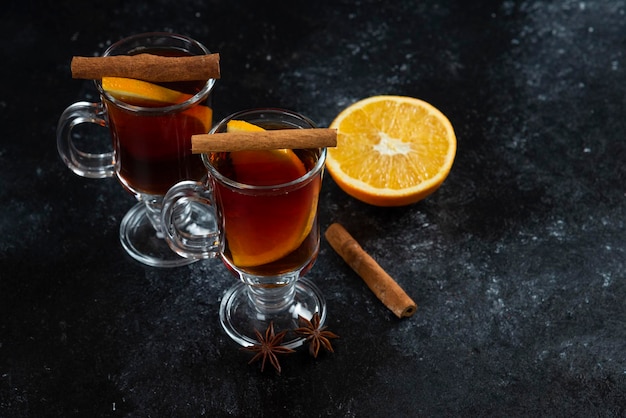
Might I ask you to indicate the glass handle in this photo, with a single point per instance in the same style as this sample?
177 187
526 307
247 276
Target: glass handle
190 222
84 164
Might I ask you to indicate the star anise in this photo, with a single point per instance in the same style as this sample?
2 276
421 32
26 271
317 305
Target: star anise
316 337
268 347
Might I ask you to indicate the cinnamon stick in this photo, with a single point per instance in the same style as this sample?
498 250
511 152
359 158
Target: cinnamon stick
264 140
379 282
148 67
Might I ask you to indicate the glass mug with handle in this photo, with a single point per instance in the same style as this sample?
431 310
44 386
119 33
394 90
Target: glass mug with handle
257 211
151 144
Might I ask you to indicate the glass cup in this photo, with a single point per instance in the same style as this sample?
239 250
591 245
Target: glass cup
257 211
151 145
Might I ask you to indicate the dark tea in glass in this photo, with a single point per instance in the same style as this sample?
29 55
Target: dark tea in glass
152 139
258 212
275 232
151 126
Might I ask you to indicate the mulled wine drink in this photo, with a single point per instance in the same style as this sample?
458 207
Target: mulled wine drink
153 146
269 233
257 211
150 126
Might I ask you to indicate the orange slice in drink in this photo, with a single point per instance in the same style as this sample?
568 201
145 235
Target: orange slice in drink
242 126
141 92
265 228
391 150
203 114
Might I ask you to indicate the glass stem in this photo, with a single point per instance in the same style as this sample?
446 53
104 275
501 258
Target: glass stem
272 299
154 204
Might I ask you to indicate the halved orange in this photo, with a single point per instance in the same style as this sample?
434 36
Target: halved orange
265 228
391 150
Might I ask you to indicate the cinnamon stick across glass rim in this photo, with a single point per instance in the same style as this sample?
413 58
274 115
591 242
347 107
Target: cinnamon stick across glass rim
264 140
148 67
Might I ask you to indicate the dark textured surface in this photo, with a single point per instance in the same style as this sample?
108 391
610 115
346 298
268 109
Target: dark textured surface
518 263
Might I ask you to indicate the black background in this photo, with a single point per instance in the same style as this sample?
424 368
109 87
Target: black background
517 263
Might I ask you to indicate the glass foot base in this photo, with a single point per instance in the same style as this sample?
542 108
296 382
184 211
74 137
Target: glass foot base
141 241
240 319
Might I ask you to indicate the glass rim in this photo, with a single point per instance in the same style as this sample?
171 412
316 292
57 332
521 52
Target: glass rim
178 107
282 187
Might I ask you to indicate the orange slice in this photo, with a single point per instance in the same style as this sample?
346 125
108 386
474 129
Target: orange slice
263 229
391 150
141 92
263 168
242 126
267 167
203 114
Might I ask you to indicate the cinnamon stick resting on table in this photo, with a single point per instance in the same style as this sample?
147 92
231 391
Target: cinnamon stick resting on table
148 67
379 282
264 140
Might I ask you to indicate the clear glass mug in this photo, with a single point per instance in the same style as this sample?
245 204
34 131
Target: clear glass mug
151 145
264 229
